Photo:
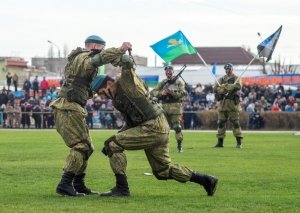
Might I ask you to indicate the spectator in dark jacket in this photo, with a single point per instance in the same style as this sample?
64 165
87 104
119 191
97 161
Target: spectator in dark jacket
26 110
8 80
35 86
37 116
27 86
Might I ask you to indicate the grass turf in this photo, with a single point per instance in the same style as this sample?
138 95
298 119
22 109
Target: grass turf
262 177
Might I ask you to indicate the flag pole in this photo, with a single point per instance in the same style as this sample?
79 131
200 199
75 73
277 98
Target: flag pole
246 68
208 68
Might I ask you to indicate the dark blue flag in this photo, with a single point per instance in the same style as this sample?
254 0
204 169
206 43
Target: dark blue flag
266 48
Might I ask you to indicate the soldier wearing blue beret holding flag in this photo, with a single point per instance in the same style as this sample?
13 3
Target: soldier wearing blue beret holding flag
228 95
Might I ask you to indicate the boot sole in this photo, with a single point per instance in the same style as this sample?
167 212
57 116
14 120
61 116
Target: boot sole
114 195
214 187
63 193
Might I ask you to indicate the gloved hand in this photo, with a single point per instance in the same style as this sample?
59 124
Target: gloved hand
127 62
229 87
221 90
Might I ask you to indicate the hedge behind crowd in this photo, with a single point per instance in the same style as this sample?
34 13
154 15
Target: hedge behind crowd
272 120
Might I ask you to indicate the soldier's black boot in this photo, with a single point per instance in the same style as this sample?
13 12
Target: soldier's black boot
220 143
239 142
121 188
80 187
65 186
208 182
179 146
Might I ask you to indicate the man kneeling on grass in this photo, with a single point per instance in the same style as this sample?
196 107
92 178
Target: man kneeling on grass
146 129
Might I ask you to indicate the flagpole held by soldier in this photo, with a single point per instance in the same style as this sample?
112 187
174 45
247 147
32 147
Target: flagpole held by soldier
265 49
228 96
228 91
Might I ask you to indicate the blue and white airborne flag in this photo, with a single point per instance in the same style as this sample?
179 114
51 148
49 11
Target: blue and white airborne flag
266 48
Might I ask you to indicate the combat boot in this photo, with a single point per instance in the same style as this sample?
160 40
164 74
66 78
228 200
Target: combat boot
179 146
208 182
80 187
121 188
220 143
65 186
239 142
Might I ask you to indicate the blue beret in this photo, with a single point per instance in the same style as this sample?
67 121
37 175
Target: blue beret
100 81
168 68
228 66
94 39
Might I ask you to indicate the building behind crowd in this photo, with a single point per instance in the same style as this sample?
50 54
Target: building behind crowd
194 73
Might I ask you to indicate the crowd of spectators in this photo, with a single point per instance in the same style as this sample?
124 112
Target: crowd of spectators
253 99
30 107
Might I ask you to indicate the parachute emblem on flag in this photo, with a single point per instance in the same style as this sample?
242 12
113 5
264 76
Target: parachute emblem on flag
173 46
173 42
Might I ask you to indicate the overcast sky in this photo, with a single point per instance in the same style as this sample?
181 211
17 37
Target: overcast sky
26 25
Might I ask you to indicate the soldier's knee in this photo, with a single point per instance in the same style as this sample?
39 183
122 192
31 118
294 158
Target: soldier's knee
177 128
85 149
90 151
162 175
106 149
236 124
221 124
111 146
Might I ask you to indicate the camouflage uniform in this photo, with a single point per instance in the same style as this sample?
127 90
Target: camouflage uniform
17 114
146 129
69 108
10 115
228 96
172 105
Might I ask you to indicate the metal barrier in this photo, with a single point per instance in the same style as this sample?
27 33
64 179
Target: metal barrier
30 120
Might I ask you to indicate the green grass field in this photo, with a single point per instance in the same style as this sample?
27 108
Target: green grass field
262 177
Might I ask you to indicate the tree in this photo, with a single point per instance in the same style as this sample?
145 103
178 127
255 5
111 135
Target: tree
279 67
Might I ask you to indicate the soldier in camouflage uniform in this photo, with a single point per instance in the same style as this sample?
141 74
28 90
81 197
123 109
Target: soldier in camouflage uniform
171 94
70 113
228 95
146 129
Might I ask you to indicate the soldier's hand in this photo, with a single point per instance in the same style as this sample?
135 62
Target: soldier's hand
229 87
126 46
221 89
127 62
164 92
171 93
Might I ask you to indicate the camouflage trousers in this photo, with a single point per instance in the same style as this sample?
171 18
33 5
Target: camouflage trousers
233 117
72 127
173 113
174 121
152 137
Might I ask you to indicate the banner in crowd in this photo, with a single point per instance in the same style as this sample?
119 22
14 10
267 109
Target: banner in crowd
288 79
